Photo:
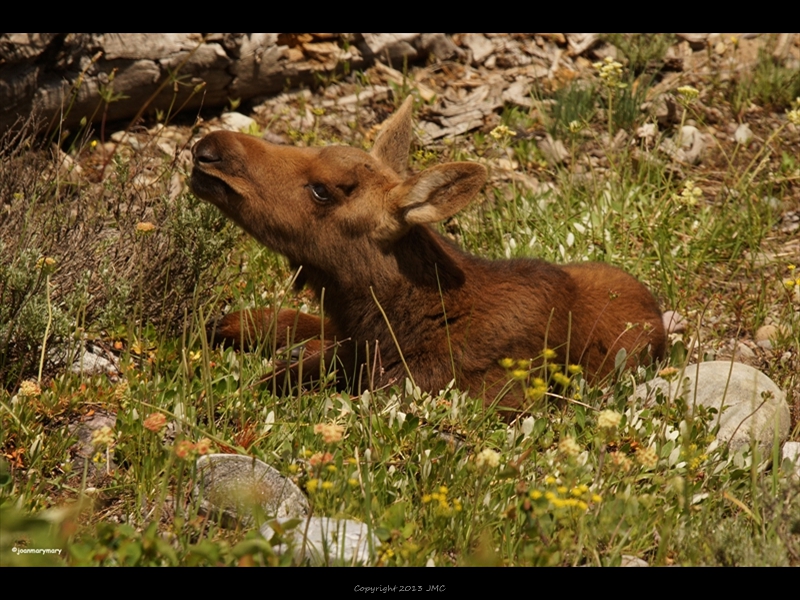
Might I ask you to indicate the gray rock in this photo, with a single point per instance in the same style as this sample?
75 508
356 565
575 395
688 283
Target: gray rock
241 487
749 402
324 540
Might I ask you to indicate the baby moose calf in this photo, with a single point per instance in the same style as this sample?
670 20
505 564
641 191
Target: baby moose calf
399 299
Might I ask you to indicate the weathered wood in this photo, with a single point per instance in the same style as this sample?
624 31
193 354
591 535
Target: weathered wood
69 75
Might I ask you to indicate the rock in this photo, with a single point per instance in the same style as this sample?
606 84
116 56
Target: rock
439 45
673 322
791 452
481 47
632 561
91 362
397 45
743 135
327 540
236 121
241 487
749 401
554 150
743 351
766 335
686 146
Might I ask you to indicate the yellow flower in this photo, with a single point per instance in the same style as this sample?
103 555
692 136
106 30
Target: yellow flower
794 116
668 373
519 374
145 227
327 485
535 494
311 486
549 354
688 93
560 379
45 263
501 131
506 363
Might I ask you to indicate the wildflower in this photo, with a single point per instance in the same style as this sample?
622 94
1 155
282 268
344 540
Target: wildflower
506 363
519 374
184 449
794 114
668 373
535 393
647 457
569 447
327 485
320 459
575 369
155 422
45 263
144 227
535 494
575 126
524 363
29 389
311 486
352 482
330 432
120 390
687 94
560 379
487 457
549 480
293 468
596 498
619 461
93 144
548 354
502 132
103 437
690 194
610 72
204 446
609 419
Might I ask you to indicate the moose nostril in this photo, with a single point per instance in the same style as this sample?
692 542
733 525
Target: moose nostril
206 153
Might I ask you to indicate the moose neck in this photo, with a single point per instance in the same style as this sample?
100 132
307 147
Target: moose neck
421 267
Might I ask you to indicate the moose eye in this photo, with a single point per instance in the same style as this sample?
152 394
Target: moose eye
319 193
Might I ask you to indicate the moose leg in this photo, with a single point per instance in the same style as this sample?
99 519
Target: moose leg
244 329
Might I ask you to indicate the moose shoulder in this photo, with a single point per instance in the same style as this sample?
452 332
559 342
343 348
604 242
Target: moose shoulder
397 295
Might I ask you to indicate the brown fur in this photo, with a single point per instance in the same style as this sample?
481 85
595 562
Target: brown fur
359 228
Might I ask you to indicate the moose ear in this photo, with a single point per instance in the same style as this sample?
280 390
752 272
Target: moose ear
394 139
439 192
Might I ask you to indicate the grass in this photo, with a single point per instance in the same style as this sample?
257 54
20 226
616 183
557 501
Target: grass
587 477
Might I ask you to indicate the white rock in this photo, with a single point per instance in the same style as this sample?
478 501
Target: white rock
236 121
325 540
749 402
743 135
791 452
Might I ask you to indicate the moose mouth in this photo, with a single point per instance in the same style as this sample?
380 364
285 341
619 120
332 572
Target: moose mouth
209 188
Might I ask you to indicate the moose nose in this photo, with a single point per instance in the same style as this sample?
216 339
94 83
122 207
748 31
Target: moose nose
205 151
